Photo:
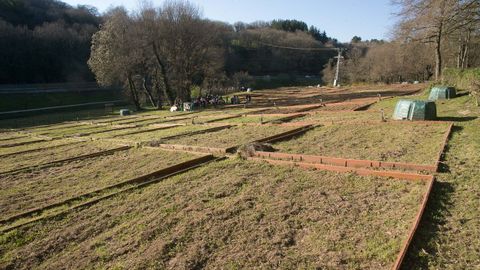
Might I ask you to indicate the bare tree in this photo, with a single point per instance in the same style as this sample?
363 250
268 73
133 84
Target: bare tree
158 54
187 45
433 21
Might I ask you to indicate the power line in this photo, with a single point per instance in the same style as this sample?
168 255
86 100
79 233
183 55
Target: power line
339 57
298 48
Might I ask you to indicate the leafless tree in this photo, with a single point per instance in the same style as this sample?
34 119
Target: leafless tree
157 53
434 21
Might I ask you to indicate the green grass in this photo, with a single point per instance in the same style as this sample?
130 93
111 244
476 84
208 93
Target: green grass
235 213
37 188
449 235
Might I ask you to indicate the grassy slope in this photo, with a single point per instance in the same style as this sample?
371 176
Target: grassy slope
449 235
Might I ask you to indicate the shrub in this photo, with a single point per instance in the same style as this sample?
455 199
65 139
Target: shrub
461 79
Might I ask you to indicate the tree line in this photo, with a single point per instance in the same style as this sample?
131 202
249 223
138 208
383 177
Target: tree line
161 54
430 35
45 41
157 54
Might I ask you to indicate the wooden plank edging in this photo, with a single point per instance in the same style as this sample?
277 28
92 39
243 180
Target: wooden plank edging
22 143
143 131
415 224
197 149
359 171
345 162
286 135
38 149
446 136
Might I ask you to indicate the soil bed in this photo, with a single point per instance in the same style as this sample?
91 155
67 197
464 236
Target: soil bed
401 142
7 135
38 145
122 132
343 107
28 190
251 119
233 136
331 116
5 143
230 214
156 135
73 130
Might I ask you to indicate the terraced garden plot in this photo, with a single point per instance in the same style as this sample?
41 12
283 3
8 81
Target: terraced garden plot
329 116
38 188
36 158
115 119
9 150
283 110
120 132
165 113
10 134
251 119
343 107
401 142
170 120
139 120
213 118
67 125
72 131
6 143
230 214
157 135
233 136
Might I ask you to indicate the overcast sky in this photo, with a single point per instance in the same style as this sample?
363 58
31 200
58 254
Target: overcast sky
341 19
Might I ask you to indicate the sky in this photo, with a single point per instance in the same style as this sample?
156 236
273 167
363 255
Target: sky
341 19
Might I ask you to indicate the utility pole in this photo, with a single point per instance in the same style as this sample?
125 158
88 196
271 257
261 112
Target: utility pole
339 57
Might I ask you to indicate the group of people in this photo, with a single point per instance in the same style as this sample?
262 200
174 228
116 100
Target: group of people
205 101
208 100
